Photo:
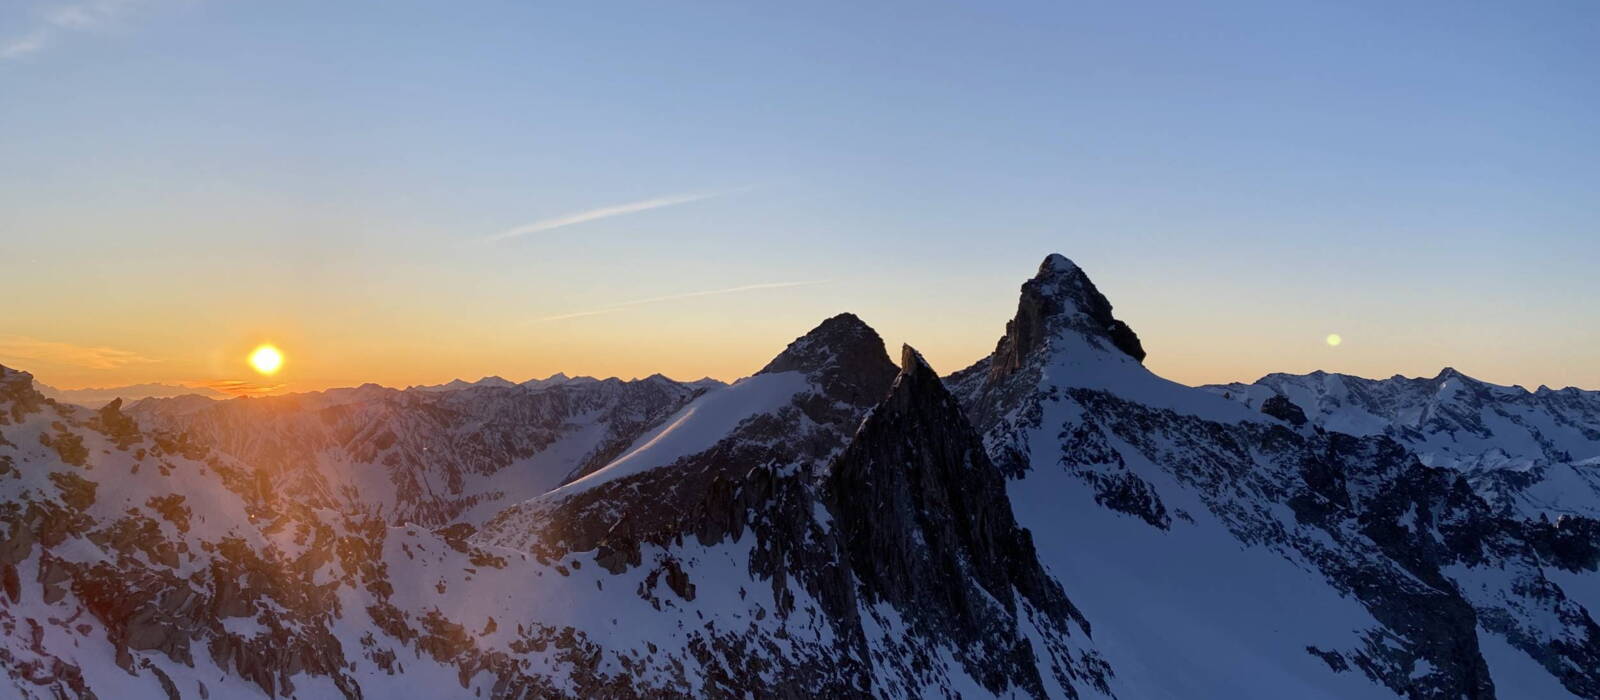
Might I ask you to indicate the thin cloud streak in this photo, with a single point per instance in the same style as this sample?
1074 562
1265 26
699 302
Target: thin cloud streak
623 306
92 357
235 387
88 15
579 314
74 17
29 43
608 212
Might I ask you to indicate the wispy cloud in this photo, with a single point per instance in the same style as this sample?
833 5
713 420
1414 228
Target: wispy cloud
55 20
622 306
579 314
26 44
92 357
235 387
608 212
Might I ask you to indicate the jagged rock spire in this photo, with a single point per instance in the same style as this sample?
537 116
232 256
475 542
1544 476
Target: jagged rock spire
18 395
1060 299
923 516
913 365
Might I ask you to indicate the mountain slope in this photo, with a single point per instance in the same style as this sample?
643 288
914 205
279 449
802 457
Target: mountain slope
428 456
798 487
97 397
927 529
1328 565
141 562
1529 453
1450 420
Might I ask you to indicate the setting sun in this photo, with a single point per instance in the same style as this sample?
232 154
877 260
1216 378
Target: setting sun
573 293
266 359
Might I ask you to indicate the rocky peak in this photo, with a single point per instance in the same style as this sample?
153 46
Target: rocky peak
844 357
913 367
10 379
17 393
918 388
1060 299
709 487
837 340
923 516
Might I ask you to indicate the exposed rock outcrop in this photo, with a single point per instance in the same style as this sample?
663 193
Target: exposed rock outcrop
1060 299
927 527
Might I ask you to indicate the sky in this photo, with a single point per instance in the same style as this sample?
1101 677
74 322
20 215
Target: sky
407 192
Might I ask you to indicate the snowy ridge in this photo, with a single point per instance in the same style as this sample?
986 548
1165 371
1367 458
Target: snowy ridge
97 397
793 415
1053 522
1450 420
426 456
1528 452
697 426
459 384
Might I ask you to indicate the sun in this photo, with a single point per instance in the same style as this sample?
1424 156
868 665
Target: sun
1334 340
266 359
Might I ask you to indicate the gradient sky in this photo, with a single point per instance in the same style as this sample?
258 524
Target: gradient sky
407 192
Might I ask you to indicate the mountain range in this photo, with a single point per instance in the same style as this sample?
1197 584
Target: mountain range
97 397
1054 521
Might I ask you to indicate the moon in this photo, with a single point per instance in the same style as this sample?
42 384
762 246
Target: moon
1334 340
266 359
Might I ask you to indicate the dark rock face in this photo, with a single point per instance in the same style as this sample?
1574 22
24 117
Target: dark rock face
1001 392
1280 407
18 395
927 527
709 492
844 355
1571 542
1060 299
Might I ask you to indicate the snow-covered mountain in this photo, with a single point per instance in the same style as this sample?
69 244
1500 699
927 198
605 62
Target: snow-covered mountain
1221 551
496 381
1529 452
855 513
1054 521
157 564
95 398
430 456
1450 420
